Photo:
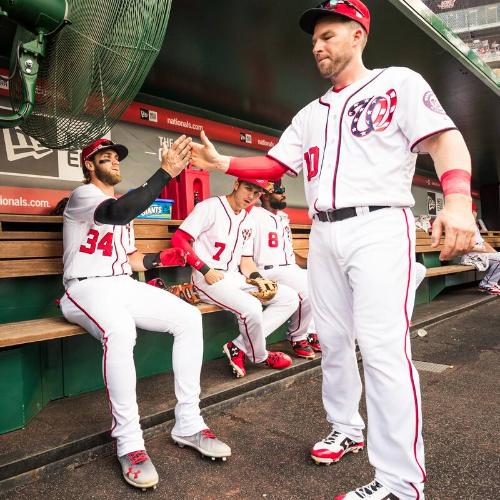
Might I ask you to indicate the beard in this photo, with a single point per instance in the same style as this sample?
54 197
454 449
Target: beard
277 205
334 67
108 177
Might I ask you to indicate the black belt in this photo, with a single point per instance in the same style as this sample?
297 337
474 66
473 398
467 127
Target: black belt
112 276
341 214
279 265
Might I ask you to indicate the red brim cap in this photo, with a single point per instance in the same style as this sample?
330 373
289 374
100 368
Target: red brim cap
262 183
353 9
103 145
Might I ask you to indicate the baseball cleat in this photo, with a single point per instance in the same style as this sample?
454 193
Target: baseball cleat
302 349
492 290
372 491
278 360
206 443
236 359
334 447
138 470
313 340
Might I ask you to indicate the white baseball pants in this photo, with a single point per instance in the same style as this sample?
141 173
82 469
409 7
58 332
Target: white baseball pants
492 276
110 309
231 294
362 287
296 278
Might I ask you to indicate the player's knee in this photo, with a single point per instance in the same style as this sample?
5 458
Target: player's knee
122 333
253 311
288 296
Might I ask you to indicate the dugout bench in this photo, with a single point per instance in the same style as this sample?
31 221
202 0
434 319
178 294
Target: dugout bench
43 357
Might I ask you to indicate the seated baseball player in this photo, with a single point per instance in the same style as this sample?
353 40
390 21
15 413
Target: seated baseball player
223 232
485 258
101 297
275 258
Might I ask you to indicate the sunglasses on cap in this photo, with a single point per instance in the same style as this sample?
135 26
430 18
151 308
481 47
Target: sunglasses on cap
278 190
332 5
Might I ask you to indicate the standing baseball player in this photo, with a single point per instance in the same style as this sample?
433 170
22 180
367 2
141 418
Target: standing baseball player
274 256
102 297
358 145
224 273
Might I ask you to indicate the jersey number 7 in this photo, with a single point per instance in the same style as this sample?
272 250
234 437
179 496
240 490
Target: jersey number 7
221 247
105 244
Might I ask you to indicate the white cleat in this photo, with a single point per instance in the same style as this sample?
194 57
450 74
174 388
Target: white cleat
206 443
138 470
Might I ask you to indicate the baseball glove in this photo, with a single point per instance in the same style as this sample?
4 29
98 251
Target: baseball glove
266 289
184 291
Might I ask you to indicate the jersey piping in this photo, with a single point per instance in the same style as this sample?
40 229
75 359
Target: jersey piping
334 186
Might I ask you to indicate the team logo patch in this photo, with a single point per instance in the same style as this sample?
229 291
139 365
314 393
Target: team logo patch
431 101
246 233
373 114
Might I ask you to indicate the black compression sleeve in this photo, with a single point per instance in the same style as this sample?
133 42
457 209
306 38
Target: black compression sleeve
133 203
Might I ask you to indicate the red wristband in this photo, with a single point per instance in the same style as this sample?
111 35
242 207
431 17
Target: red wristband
456 181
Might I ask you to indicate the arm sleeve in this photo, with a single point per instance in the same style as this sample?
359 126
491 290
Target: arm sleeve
419 113
182 240
257 167
133 203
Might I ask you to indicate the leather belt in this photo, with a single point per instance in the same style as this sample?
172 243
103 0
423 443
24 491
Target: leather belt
112 276
279 265
341 214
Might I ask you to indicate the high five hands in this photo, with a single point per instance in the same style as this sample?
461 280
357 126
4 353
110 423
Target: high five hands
176 158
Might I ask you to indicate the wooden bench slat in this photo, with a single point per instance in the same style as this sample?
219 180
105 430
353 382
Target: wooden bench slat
30 235
26 249
451 269
38 330
30 267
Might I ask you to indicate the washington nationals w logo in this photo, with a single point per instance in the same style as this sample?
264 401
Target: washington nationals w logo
373 114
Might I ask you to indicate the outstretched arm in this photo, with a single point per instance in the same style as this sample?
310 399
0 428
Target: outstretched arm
453 167
133 203
206 157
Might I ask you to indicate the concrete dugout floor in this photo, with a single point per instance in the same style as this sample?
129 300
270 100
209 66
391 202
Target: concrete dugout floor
271 430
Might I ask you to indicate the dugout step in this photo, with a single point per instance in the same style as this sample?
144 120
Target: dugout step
71 431
69 426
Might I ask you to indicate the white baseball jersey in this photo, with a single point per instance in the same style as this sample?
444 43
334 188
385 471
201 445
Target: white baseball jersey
273 240
358 146
221 236
92 249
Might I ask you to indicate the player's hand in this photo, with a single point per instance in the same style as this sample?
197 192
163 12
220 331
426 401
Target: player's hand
206 157
457 223
213 276
175 159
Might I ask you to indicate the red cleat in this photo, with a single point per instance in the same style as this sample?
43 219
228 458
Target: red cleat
278 360
334 447
312 338
236 359
302 349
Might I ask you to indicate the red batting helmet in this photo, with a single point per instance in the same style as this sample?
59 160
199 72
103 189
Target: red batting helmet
352 9
101 145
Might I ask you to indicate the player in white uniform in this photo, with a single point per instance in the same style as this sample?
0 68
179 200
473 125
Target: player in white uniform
275 258
485 258
221 257
358 145
102 297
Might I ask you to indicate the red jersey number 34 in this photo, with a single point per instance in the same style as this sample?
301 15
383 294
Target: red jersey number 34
105 244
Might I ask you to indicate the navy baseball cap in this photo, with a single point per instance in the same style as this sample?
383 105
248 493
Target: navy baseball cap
352 9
